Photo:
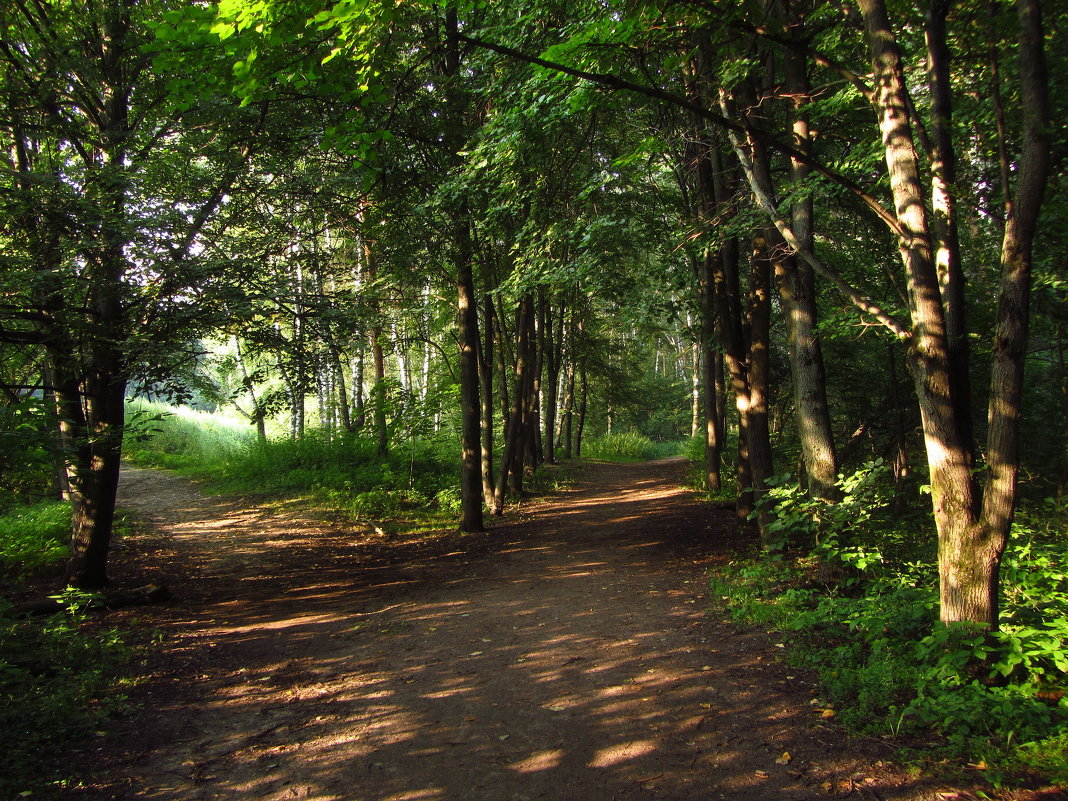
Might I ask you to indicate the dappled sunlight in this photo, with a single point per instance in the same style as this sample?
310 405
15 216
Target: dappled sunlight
573 660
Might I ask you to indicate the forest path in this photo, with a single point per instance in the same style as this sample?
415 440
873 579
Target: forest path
569 655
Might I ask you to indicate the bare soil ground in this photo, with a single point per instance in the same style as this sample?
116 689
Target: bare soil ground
570 653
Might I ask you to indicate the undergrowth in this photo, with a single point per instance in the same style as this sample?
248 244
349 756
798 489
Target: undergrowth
59 682
414 486
34 538
861 604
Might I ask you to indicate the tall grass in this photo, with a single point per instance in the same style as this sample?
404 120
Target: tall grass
183 438
629 446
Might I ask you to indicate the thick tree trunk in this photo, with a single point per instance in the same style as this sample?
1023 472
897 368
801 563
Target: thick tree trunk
96 480
968 551
103 371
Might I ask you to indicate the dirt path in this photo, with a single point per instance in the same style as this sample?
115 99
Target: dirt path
569 655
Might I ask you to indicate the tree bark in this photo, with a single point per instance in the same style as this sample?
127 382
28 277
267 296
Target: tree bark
796 282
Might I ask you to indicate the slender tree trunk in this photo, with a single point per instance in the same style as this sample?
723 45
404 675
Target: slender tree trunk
758 435
378 357
797 291
581 424
986 546
485 373
944 205
467 319
258 412
471 426
511 472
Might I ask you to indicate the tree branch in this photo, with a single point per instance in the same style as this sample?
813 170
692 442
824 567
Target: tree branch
617 83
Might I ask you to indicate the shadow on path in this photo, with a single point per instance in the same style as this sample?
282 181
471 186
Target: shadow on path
570 655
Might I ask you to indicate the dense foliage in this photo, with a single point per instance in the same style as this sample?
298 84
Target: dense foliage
420 249
858 603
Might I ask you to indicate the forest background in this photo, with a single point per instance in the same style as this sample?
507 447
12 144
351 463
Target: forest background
423 248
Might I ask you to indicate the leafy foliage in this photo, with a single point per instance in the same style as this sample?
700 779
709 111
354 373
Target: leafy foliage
57 685
864 615
33 538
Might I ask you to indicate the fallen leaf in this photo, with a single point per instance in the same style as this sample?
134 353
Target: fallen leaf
784 759
827 713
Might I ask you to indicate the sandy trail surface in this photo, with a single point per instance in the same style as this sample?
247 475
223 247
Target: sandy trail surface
571 654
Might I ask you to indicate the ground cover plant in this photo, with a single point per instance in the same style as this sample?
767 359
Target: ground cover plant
59 681
854 584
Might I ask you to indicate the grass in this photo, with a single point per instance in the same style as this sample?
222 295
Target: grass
180 438
629 446
34 538
414 487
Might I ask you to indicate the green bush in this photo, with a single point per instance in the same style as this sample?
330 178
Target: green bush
28 451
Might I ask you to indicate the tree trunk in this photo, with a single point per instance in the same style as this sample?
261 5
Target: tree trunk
471 426
581 424
96 480
757 431
467 308
944 205
485 374
797 291
987 544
